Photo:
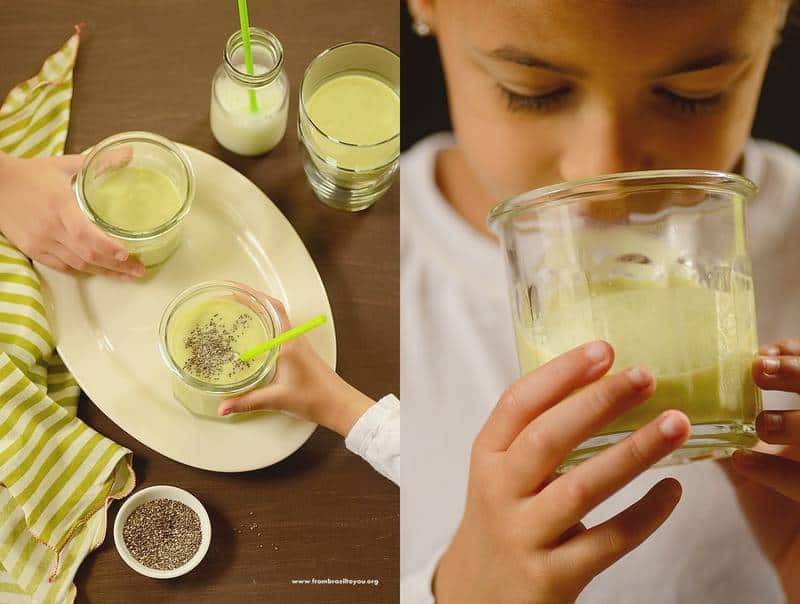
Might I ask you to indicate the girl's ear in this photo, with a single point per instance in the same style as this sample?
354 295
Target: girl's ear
422 13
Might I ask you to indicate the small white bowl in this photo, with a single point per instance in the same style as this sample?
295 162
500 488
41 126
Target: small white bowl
162 492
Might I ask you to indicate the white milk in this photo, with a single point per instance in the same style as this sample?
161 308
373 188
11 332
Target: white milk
235 126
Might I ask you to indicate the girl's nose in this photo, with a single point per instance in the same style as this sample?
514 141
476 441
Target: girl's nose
602 143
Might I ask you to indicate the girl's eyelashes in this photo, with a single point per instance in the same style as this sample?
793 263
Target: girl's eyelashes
551 100
687 104
538 102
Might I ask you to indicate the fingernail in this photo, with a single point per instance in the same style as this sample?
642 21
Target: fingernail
639 377
225 411
772 351
671 425
770 365
122 255
596 352
772 422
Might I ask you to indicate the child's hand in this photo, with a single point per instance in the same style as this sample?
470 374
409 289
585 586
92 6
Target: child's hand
521 540
767 480
40 216
304 385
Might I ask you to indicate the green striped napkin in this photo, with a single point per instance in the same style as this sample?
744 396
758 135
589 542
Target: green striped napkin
57 475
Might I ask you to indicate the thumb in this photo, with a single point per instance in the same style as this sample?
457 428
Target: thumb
69 163
269 397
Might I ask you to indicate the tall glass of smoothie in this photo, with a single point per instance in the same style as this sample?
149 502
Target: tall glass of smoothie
349 124
138 187
202 333
656 264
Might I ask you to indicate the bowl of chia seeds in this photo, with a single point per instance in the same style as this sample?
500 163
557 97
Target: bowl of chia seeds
162 532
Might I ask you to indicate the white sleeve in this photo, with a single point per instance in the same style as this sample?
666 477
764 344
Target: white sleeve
376 437
417 587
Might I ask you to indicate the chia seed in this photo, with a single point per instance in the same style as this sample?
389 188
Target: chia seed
635 258
210 346
162 534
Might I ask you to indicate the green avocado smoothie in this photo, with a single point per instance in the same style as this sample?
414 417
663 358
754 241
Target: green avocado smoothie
141 202
202 334
356 109
135 198
206 338
698 341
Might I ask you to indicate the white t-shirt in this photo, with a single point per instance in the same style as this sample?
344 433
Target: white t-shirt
376 437
457 355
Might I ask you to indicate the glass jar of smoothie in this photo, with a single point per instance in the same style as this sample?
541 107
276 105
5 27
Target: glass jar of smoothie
249 112
138 187
202 333
349 124
656 264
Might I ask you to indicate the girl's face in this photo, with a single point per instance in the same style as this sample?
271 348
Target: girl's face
542 91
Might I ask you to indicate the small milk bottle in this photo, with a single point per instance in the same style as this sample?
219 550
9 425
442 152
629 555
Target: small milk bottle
248 112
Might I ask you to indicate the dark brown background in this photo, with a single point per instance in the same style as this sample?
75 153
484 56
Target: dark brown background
323 512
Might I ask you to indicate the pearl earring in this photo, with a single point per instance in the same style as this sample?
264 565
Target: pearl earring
421 28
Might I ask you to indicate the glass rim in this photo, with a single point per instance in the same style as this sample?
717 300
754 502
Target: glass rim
135 137
230 287
560 193
303 113
264 38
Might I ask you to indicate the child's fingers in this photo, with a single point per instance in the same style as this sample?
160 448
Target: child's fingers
77 263
100 250
114 159
789 346
95 247
268 397
571 533
70 258
542 445
779 427
79 228
778 473
53 262
280 309
130 267
570 497
70 164
539 390
777 373
277 304
599 547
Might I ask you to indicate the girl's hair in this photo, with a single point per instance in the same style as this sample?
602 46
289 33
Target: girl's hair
791 28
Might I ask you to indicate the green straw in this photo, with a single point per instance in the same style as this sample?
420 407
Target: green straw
244 22
289 334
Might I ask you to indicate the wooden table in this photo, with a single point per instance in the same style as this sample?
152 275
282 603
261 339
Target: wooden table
323 512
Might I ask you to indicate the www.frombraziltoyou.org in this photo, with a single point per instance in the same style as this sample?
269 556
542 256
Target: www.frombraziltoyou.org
340 581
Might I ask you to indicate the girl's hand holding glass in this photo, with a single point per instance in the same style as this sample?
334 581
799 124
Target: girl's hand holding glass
304 385
521 540
767 479
40 216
